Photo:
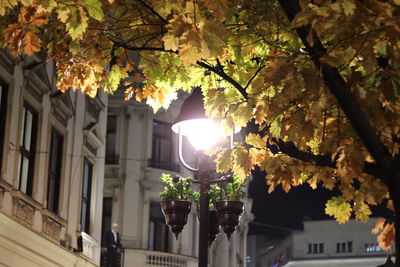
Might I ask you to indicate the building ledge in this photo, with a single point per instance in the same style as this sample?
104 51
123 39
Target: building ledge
24 207
52 224
26 247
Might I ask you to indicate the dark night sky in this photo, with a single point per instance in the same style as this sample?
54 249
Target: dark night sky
288 210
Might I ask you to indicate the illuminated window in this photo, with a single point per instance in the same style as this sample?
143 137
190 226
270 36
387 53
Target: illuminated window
27 150
372 247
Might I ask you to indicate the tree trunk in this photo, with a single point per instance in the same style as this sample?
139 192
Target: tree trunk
353 111
394 190
396 202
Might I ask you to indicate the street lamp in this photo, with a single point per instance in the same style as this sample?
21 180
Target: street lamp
202 133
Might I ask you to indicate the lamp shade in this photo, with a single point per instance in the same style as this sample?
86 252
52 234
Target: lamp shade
193 123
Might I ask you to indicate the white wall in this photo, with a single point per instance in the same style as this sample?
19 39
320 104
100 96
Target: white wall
68 113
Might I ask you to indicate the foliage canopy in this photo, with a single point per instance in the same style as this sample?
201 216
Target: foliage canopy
257 68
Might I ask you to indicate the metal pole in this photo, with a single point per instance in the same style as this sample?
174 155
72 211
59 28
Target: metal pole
204 214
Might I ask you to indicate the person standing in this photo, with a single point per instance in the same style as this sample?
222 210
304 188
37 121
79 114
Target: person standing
113 245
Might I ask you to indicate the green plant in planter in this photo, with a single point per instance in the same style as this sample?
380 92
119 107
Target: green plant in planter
214 196
176 188
234 190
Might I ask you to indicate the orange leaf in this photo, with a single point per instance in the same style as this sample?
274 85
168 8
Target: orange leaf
39 19
13 35
380 223
386 237
32 43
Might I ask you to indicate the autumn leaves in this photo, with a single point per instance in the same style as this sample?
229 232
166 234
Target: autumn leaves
22 36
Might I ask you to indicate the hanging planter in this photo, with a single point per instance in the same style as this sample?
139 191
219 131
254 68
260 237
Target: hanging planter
229 207
229 213
213 226
176 214
176 205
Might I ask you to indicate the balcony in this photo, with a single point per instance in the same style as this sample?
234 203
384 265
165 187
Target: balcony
147 258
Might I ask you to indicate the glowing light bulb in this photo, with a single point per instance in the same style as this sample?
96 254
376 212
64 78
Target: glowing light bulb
202 133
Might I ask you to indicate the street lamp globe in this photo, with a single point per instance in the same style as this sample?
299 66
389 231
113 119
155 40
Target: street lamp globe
201 131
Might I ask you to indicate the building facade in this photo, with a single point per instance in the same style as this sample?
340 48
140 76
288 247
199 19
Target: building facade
52 149
327 243
140 147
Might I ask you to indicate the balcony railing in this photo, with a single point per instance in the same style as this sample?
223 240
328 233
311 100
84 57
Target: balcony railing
165 260
148 258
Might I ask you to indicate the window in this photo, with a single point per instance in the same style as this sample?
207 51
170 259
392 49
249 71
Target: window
321 248
3 114
158 230
372 247
55 163
161 156
86 195
344 247
315 248
111 140
107 216
27 150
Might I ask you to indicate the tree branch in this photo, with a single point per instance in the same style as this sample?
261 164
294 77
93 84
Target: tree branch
152 11
254 76
142 48
226 77
341 90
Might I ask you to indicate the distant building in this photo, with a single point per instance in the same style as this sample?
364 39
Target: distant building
52 168
326 243
140 147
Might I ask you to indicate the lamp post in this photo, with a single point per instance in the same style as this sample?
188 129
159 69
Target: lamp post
202 133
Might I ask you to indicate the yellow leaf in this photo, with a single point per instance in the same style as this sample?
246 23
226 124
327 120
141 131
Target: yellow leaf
256 140
339 208
6 4
63 14
258 156
348 7
362 212
94 9
242 164
171 42
224 161
114 78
